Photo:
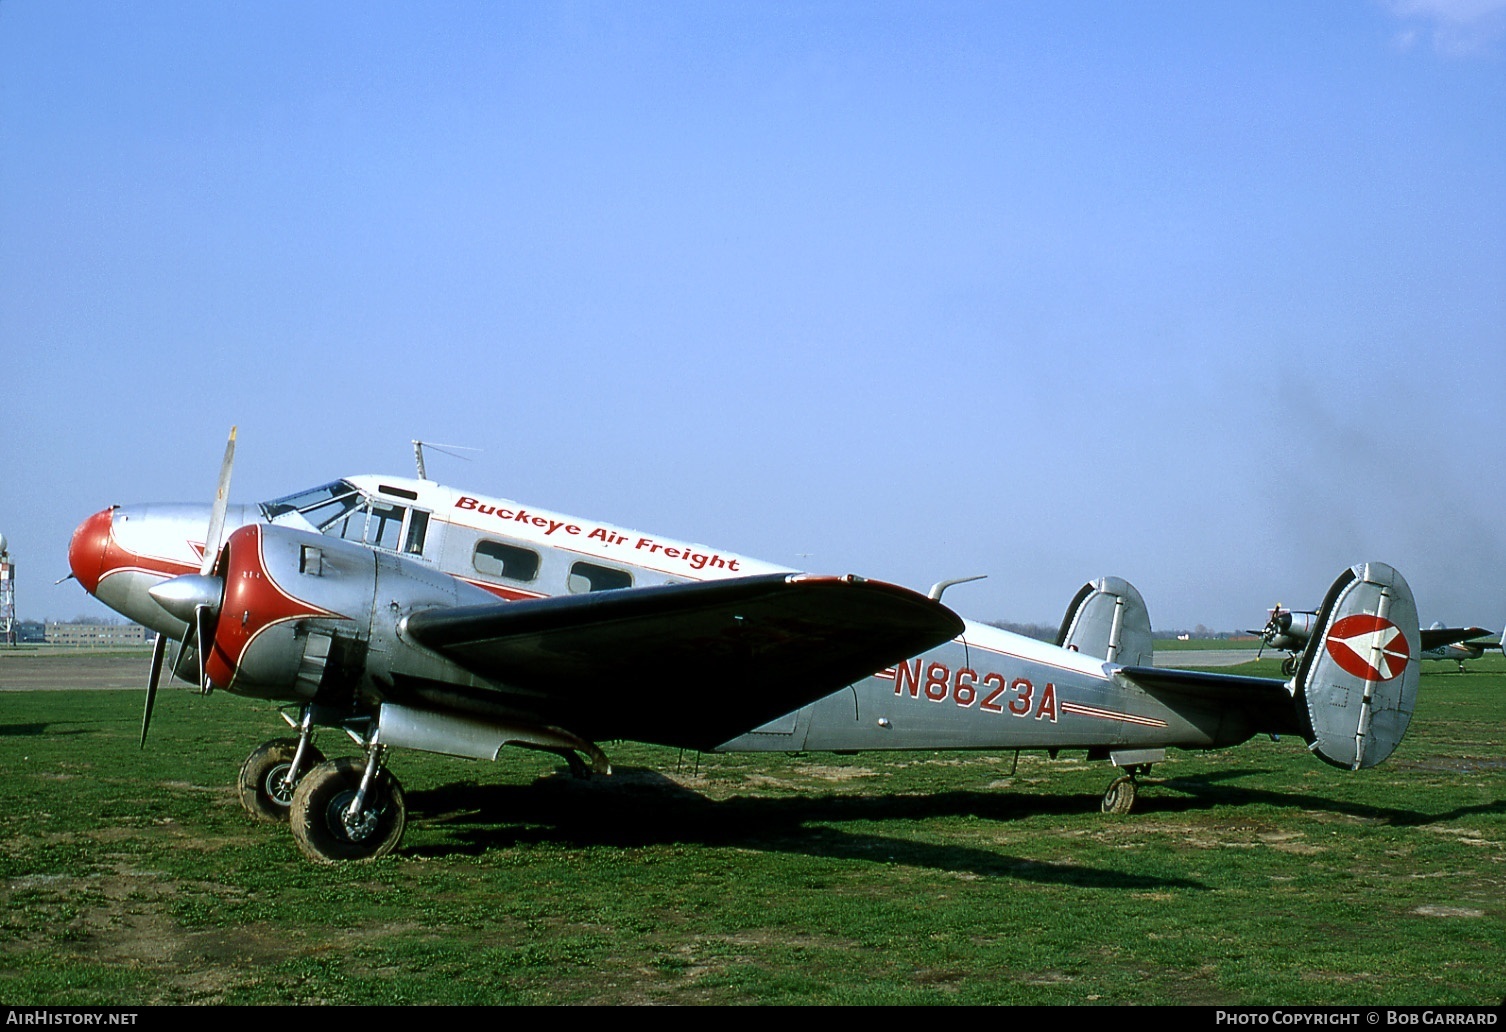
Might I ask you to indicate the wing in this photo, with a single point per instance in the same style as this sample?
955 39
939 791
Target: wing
1437 637
685 664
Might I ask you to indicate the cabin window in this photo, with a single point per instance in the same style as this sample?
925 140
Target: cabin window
496 559
586 577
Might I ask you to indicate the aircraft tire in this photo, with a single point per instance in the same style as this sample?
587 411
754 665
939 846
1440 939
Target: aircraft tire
320 803
260 782
1120 797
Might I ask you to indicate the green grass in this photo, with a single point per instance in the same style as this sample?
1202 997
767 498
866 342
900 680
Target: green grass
1254 875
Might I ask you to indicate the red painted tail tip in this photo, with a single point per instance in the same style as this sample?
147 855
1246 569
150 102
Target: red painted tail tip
86 551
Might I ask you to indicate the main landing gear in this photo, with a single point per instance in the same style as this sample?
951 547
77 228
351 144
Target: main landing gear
350 808
1119 798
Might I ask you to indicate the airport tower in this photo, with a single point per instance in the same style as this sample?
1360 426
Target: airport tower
7 596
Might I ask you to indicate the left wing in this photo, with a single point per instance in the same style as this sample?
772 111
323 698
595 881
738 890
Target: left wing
685 664
1437 637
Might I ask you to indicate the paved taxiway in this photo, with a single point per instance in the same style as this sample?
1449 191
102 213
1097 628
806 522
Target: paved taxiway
26 671
1206 657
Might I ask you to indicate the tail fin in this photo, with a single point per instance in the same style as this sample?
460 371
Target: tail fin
1357 682
1108 618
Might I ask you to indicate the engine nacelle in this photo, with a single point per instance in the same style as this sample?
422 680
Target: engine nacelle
1291 631
305 616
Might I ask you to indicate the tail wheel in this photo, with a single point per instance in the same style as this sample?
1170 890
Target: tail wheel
325 829
1120 797
264 788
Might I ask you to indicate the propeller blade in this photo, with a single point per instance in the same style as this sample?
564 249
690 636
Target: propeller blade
217 514
159 651
203 618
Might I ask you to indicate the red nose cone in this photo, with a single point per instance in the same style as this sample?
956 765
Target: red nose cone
86 552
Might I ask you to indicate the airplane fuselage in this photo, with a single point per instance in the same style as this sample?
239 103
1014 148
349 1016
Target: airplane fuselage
986 689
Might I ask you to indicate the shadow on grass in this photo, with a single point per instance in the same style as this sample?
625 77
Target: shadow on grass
21 730
1214 789
638 807
50 730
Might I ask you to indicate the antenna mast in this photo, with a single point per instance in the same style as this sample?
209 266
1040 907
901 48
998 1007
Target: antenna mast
418 454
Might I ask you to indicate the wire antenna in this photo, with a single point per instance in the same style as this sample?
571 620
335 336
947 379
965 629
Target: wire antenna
447 449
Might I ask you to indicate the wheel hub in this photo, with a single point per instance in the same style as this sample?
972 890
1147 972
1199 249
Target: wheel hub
278 786
355 829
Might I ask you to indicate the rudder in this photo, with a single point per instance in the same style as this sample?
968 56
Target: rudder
1356 685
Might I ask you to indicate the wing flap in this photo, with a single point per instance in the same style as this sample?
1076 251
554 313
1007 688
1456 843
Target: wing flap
687 664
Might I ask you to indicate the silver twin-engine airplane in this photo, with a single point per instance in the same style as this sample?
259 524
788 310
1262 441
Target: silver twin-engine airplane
412 615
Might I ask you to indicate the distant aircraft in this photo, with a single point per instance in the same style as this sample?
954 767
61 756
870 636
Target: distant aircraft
1472 647
1290 630
412 615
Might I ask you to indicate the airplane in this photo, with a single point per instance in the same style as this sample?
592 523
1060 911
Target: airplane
1289 630
412 615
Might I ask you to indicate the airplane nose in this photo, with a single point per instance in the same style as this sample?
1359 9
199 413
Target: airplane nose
86 552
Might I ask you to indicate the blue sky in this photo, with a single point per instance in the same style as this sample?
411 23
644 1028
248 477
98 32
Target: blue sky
1208 296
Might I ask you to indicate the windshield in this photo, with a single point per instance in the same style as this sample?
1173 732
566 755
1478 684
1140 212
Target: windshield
320 506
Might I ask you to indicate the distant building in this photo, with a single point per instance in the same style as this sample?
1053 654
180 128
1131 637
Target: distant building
96 635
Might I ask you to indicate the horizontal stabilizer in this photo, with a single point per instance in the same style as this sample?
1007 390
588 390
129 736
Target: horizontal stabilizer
1357 680
1209 686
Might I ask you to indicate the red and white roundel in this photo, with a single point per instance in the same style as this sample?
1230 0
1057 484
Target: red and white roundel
1355 639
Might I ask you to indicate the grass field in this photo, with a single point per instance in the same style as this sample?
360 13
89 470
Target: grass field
1255 875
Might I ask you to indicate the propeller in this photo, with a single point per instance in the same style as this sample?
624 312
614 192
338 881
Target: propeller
193 598
1270 630
159 650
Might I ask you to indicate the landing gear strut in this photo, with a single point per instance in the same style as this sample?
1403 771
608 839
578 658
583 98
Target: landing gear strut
349 809
1119 798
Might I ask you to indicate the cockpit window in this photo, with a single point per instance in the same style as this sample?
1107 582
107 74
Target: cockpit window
384 527
339 510
321 506
335 512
